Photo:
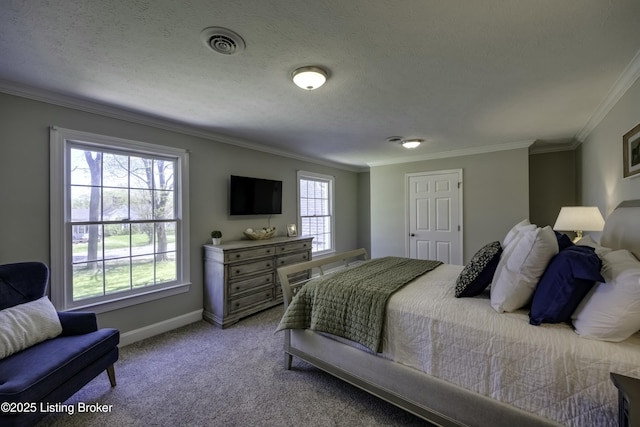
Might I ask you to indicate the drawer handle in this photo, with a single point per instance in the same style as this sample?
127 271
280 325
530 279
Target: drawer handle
237 288
304 257
237 304
268 265
268 251
282 249
281 262
237 255
237 271
267 280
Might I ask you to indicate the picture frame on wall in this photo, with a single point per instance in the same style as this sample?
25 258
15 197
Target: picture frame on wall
631 152
292 230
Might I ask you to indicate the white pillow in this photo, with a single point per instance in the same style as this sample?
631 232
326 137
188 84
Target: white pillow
588 241
520 227
611 310
521 265
24 325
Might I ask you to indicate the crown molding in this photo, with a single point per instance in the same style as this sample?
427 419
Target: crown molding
619 88
54 98
456 153
554 148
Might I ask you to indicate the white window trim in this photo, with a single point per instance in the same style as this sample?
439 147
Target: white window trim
60 270
304 174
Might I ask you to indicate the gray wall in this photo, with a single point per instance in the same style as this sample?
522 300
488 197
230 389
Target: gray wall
495 197
24 195
552 184
600 157
364 211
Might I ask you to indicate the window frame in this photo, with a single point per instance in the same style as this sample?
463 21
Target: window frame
61 267
331 181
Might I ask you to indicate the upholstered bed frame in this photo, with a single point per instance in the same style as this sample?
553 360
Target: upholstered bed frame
428 397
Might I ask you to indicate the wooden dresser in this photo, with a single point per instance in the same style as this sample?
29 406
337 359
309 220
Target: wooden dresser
240 276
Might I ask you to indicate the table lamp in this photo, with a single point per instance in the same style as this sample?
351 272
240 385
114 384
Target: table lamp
579 219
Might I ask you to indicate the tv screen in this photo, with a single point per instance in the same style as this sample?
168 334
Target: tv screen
254 196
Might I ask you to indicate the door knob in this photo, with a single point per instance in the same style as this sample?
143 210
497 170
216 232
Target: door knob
412 235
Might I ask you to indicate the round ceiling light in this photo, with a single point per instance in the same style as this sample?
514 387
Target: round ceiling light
411 143
309 78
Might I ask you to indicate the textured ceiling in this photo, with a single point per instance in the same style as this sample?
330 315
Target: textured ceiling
462 75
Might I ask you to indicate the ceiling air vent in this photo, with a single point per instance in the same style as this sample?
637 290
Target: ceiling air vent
222 40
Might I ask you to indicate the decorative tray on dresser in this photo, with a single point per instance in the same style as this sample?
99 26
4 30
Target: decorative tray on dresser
240 276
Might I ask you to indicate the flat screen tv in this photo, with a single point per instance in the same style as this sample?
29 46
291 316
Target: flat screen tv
254 196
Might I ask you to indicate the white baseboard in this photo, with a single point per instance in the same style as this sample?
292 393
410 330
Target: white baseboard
160 327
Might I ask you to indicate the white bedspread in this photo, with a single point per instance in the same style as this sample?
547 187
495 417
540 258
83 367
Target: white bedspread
548 370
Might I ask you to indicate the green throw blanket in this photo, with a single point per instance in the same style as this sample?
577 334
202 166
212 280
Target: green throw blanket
351 303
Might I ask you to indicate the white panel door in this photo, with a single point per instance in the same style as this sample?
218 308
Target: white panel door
434 216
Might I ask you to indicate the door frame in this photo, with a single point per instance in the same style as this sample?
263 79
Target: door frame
407 203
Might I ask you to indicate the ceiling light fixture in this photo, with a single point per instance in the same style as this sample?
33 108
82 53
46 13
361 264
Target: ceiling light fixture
309 78
411 143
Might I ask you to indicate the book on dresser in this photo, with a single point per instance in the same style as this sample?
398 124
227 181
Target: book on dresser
240 276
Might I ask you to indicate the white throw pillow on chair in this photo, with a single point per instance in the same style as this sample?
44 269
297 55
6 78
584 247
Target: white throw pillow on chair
24 325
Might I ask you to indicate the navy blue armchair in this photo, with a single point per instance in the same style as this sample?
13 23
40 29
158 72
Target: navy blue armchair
53 370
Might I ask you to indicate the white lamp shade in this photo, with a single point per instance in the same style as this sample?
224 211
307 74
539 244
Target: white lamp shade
309 78
579 218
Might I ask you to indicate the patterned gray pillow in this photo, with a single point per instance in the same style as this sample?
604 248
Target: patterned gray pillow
478 273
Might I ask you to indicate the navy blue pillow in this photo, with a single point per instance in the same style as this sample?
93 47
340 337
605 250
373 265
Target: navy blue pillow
564 241
478 273
568 278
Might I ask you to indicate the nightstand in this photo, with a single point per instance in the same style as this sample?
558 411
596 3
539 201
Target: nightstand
628 400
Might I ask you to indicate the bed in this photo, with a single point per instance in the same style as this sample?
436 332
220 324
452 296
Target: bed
461 362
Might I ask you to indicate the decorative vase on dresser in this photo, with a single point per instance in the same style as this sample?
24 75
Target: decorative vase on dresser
240 276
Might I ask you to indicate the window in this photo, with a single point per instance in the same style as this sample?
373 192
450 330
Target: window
315 198
119 226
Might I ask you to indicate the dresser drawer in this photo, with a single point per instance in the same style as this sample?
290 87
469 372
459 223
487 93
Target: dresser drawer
294 246
245 254
237 304
236 270
248 284
292 259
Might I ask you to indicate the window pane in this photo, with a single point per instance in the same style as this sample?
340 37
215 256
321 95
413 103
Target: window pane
117 275
87 280
140 175
142 239
115 170
166 269
163 203
141 204
117 241
116 204
163 174
81 198
81 173
142 271
87 245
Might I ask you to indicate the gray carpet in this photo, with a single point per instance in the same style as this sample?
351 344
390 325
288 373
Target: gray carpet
200 375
